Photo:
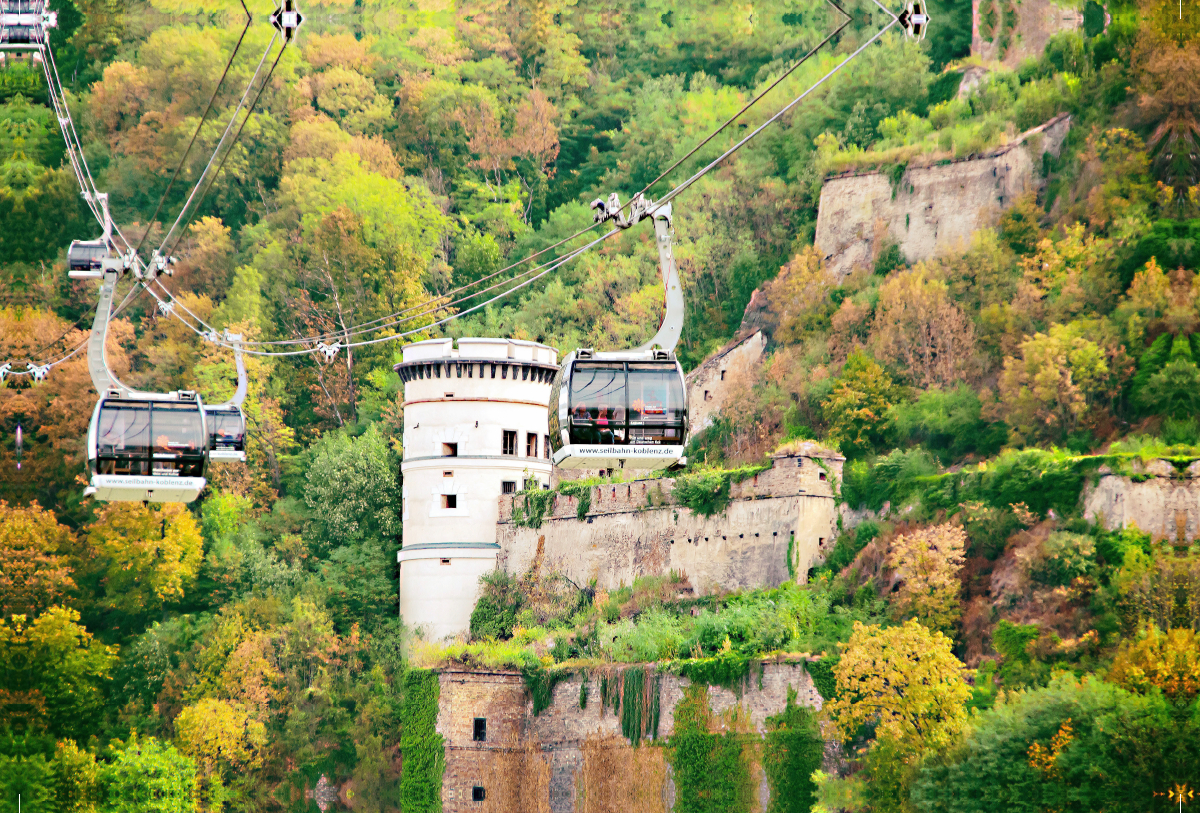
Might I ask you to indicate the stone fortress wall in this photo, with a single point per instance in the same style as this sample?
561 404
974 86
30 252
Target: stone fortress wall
933 208
574 757
638 529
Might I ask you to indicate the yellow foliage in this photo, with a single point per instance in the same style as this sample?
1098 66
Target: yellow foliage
904 679
221 736
148 555
1169 661
928 563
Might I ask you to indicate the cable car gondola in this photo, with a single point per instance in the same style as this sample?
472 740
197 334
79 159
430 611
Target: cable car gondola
914 19
146 446
226 423
625 409
88 255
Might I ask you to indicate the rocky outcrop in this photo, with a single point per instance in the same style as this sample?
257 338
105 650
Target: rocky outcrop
1158 498
930 209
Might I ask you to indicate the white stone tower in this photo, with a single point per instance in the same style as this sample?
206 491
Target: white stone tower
474 428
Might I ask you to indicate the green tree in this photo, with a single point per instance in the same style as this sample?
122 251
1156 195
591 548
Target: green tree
858 409
148 776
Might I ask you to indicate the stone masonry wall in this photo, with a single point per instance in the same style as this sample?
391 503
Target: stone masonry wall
569 758
1164 503
934 208
710 383
637 529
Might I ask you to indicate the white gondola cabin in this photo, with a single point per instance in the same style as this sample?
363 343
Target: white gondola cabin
626 409
226 432
618 410
148 447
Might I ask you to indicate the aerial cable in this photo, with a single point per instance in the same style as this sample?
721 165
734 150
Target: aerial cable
204 175
199 125
211 336
432 305
675 165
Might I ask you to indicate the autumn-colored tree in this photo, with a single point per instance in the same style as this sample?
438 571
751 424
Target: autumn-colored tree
222 737
857 410
797 300
927 563
1169 661
144 556
920 332
903 679
34 573
1063 380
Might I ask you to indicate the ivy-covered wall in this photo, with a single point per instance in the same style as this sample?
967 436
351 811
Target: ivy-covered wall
421 746
631 739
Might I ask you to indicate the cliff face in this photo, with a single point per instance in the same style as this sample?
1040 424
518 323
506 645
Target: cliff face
1158 499
576 756
639 529
932 208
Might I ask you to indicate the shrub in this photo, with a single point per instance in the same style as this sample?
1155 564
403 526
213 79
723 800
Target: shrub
1063 558
495 613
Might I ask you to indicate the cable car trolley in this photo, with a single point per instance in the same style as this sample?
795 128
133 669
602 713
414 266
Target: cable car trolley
914 19
628 408
24 24
147 446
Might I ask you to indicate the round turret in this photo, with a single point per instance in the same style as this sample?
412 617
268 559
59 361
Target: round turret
474 428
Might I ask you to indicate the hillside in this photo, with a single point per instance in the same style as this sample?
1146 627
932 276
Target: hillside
981 632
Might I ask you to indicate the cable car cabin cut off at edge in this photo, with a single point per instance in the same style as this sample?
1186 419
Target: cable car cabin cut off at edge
628 408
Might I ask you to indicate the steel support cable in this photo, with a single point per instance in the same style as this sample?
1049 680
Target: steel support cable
116 311
673 167
91 182
62 115
204 175
307 351
199 125
431 305
671 194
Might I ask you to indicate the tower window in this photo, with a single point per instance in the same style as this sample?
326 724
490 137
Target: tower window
447 474
546 447
821 476
445 561
478 794
508 487
510 443
722 375
480 729
449 450
530 444
451 395
449 501
707 397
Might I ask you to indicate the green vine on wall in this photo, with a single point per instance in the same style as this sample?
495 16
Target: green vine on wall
581 492
540 683
794 749
420 744
728 670
708 769
640 704
706 492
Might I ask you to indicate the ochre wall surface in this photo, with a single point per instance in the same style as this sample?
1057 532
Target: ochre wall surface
933 208
710 383
575 760
636 529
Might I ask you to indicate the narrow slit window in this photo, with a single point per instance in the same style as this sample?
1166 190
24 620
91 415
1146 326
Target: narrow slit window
480 729
449 450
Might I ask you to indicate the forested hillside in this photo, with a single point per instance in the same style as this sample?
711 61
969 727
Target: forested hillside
227 654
